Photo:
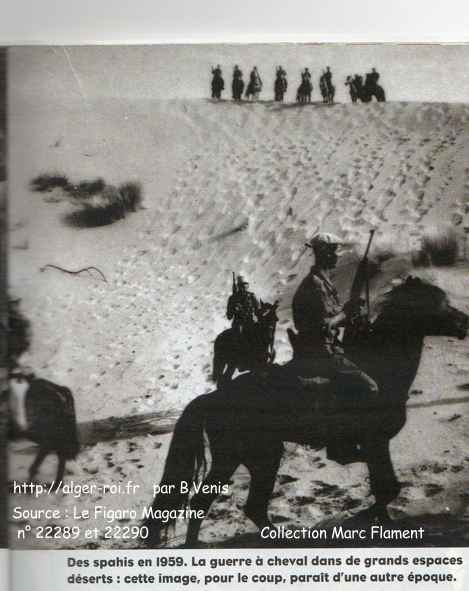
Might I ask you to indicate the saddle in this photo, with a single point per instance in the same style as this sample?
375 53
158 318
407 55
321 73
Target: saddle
286 388
320 393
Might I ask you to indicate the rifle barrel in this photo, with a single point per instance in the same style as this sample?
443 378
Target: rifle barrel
369 244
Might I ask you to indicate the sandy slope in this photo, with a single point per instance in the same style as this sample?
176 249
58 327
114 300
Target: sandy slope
142 340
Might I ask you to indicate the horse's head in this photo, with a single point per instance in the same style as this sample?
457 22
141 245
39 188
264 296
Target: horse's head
267 313
423 309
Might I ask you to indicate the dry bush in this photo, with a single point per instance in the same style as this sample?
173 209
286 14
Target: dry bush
44 183
86 189
439 247
97 204
132 195
111 205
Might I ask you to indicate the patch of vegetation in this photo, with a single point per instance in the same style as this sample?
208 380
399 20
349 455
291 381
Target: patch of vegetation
45 183
131 193
96 203
86 189
111 205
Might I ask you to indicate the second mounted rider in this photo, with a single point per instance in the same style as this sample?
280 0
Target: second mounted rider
243 308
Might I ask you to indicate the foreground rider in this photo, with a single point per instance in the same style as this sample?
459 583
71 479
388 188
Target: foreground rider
242 307
318 317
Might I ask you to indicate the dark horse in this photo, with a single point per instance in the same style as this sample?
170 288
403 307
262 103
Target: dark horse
354 86
327 91
303 94
254 87
237 88
218 85
280 87
365 92
247 421
253 350
44 412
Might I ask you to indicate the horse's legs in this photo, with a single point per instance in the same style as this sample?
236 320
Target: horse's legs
263 467
41 454
60 469
383 481
220 472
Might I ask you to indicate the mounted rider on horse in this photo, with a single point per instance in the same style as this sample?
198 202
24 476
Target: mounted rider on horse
249 343
319 317
242 307
281 84
305 89
237 85
218 84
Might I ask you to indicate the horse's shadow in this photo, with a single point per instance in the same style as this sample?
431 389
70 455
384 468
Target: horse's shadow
439 530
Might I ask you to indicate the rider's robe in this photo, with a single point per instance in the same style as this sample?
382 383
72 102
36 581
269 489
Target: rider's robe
315 301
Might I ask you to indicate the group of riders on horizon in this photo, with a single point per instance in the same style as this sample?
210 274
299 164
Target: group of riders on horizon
363 90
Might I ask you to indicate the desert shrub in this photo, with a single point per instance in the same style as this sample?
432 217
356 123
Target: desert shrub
47 182
103 209
96 203
86 189
439 246
19 333
131 194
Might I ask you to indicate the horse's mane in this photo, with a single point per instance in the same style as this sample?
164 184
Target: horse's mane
405 294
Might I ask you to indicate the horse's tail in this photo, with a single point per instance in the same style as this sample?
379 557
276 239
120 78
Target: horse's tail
72 443
185 464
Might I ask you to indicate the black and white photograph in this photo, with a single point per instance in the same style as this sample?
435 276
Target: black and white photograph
238 296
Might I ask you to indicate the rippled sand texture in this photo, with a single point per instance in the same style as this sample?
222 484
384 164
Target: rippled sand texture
230 188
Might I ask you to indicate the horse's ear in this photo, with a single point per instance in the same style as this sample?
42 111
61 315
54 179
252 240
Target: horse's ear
411 280
261 302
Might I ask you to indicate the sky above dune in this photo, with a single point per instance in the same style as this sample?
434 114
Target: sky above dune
408 72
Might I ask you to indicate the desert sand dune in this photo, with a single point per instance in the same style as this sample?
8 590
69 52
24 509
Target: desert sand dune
232 188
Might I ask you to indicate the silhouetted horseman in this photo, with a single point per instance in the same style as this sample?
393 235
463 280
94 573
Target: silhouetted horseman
255 85
237 85
242 307
218 84
354 88
305 89
281 84
366 91
326 87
